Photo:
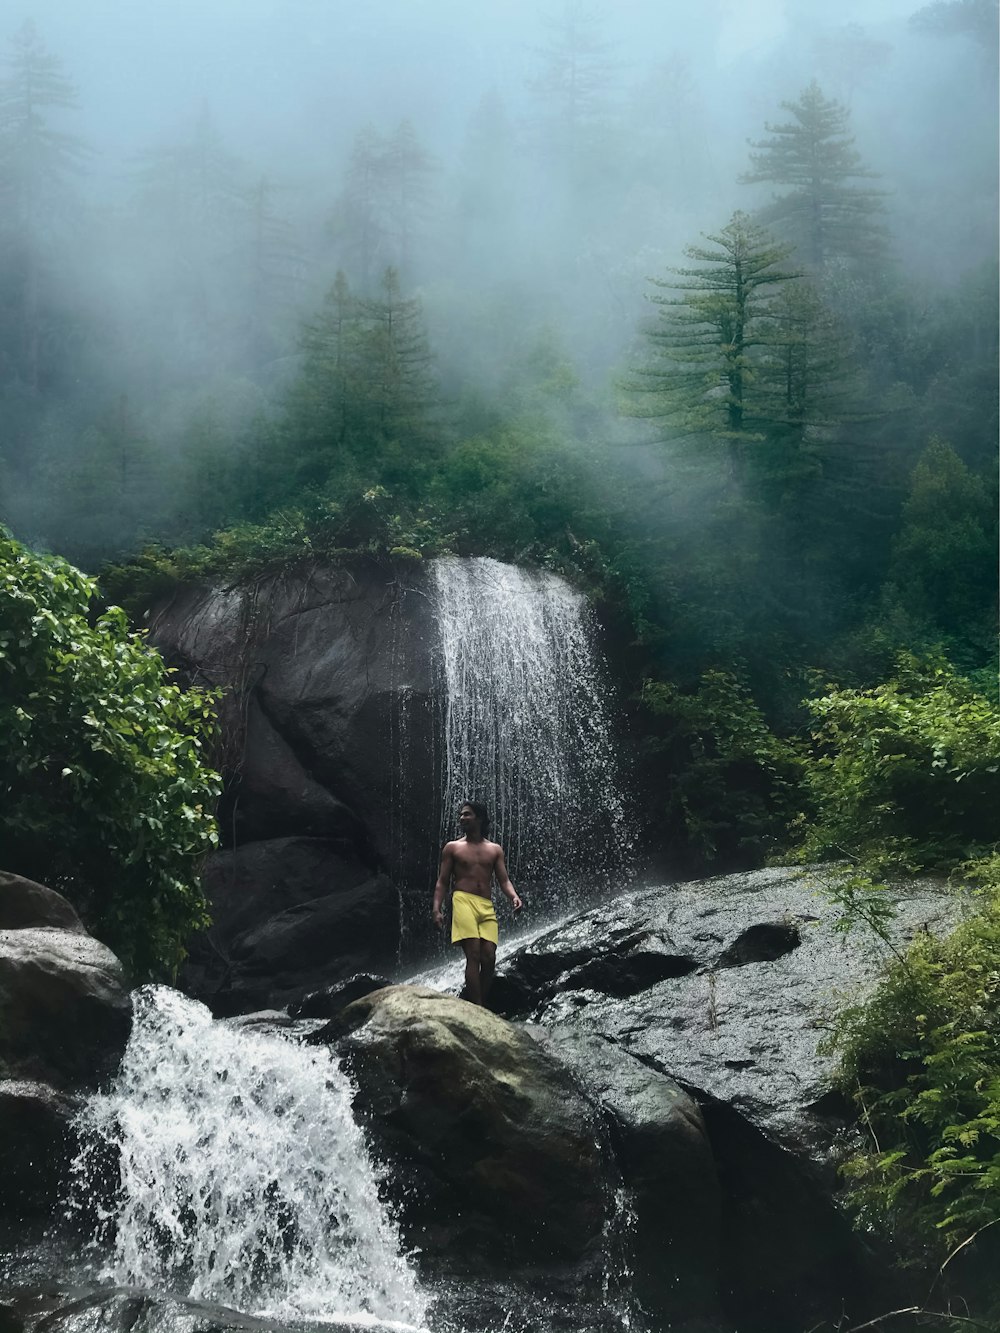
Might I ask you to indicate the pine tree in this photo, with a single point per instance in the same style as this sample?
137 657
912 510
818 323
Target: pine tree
36 161
708 344
977 19
382 208
824 213
572 92
191 226
360 411
396 364
327 402
358 222
276 269
407 171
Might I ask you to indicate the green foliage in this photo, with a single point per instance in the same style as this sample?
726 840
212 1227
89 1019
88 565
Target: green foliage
905 775
825 213
104 788
728 780
922 1059
943 569
704 348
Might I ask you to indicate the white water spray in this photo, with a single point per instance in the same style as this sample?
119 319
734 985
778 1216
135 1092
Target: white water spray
244 1178
525 725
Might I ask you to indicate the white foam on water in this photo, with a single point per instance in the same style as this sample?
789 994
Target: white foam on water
244 1179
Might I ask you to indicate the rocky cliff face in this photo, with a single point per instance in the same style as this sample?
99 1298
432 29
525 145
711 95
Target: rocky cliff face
328 687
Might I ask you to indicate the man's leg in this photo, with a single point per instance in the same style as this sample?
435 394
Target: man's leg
473 986
487 967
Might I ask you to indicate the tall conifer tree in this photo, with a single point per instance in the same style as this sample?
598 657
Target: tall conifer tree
706 347
829 212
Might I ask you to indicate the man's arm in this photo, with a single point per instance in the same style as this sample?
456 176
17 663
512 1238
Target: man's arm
443 884
503 879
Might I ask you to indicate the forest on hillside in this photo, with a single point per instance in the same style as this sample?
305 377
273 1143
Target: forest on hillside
719 342
739 378
701 314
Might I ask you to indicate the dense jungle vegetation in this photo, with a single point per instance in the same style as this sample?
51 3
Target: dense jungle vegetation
773 465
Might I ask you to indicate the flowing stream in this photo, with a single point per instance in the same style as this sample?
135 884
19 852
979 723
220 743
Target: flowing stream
244 1179
525 725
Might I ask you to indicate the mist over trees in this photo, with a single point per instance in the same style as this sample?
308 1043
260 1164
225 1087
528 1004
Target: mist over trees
695 308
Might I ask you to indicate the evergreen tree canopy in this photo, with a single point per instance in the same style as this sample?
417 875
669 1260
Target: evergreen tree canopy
824 214
944 556
976 18
35 157
572 90
708 343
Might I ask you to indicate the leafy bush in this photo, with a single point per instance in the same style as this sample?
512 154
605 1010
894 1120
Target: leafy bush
729 782
922 1059
104 787
905 775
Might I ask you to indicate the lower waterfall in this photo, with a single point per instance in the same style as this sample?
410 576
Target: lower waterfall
526 726
244 1179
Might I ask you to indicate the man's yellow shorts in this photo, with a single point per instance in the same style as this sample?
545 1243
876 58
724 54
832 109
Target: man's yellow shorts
472 918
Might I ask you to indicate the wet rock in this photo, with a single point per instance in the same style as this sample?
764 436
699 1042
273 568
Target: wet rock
132 1310
25 904
331 999
10 1320
64 1022
37 1145
294 914
740 1033
250 884
66 1015
762 943
321 665
672 1236
277 795
620 962
492 1154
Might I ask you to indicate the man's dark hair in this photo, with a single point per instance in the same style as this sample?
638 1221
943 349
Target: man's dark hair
482 814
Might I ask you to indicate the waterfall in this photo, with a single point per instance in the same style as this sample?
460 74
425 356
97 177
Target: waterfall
244 1179
526 727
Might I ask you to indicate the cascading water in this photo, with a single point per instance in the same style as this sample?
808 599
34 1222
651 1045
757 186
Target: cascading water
525 726
244 1179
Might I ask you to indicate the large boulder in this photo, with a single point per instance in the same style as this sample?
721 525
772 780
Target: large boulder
493 1157
23 903
66 1014
329 681
65 1022
328 720
672 1237
37 1146
726 987
290 915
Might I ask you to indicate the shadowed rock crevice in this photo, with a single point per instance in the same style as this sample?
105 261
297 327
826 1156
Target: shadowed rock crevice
627 965
763 943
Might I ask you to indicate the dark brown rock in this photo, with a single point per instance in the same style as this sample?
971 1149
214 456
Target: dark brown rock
315 943
37 1145
494 1155
66 1015
24 904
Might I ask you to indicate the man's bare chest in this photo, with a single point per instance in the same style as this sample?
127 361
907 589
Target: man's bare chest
476 859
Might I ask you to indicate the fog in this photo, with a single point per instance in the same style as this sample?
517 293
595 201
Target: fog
204 204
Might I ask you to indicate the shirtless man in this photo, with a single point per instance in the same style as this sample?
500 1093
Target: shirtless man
468 866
